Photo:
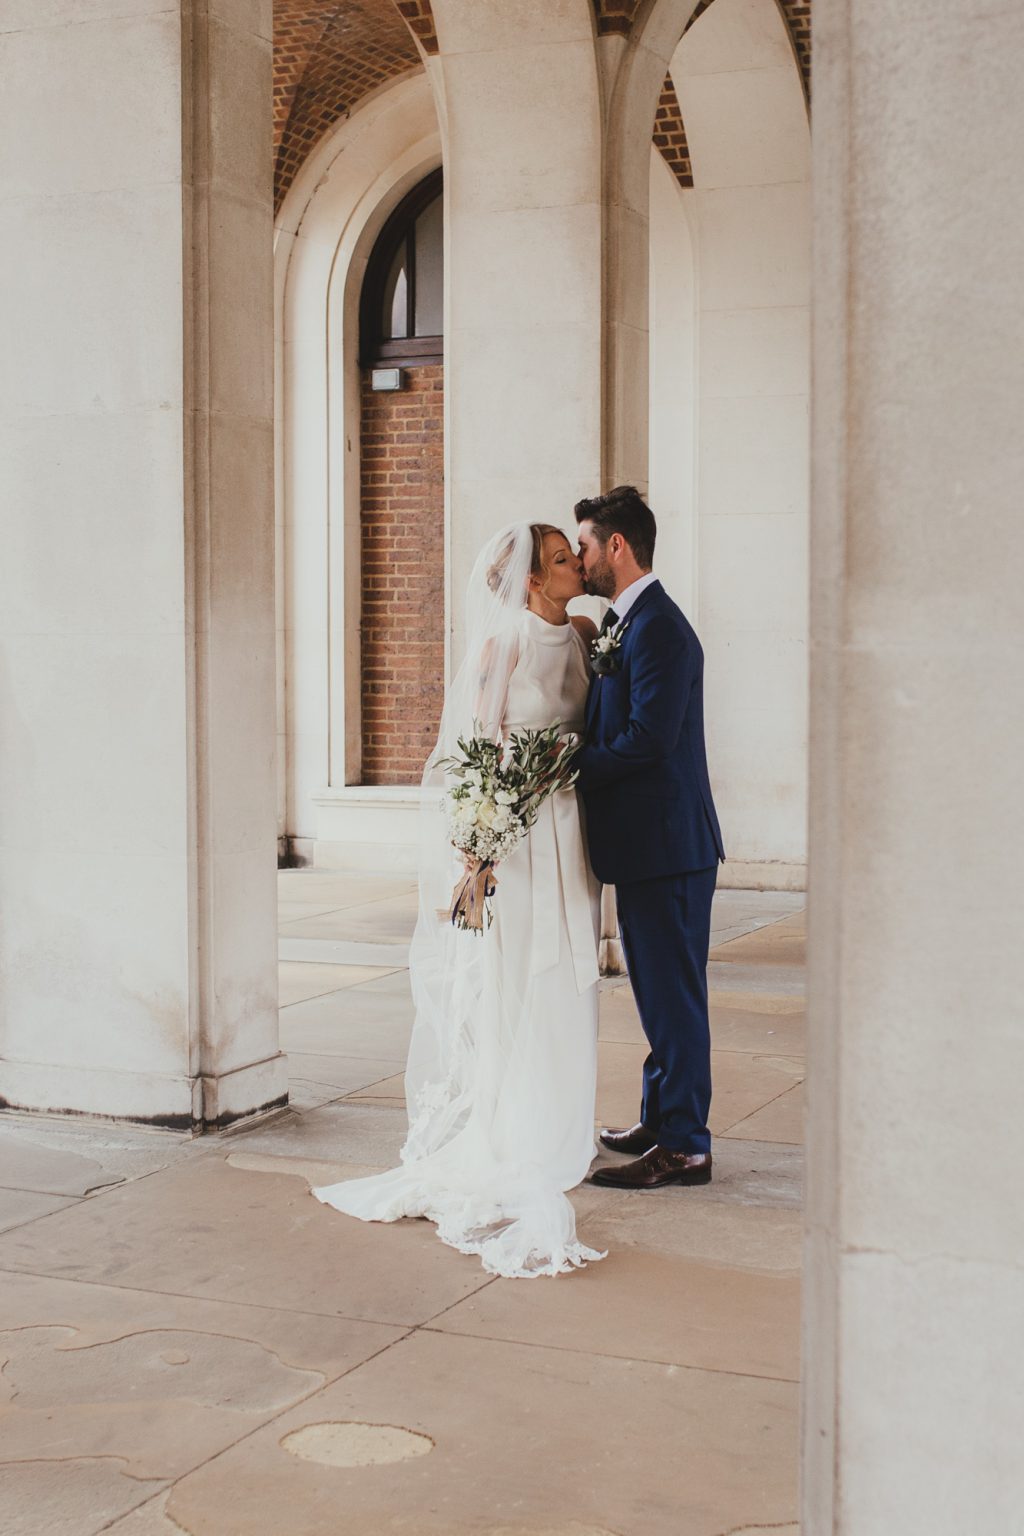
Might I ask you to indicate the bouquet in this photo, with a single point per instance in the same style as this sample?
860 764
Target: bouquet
498 791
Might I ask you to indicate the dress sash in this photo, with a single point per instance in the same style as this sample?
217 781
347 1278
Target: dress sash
557 867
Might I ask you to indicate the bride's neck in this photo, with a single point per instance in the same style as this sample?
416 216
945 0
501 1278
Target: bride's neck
544 608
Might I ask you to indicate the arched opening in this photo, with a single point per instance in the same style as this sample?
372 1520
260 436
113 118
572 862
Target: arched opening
402 308
344 204
729 394
402 544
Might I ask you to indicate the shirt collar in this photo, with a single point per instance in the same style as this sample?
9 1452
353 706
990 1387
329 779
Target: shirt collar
625 600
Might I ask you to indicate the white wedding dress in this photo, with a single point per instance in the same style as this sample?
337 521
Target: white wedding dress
502 1070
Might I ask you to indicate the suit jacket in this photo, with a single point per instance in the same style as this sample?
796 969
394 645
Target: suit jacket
643 769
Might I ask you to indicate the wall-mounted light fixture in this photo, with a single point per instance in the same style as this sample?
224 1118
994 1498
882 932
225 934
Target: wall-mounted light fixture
387 378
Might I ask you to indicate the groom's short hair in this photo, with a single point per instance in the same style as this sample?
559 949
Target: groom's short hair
624 511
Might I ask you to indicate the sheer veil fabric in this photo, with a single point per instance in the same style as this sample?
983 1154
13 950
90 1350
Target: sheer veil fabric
501 1075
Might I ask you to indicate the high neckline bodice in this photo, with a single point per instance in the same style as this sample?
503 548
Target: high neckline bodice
544 633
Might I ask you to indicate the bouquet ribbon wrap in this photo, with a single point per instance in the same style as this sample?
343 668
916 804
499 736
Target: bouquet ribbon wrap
469 899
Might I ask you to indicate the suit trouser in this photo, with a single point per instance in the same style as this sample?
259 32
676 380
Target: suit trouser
666 930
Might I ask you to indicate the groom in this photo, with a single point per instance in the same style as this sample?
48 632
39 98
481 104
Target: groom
653 833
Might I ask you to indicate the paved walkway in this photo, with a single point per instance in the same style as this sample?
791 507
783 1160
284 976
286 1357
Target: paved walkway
194 1344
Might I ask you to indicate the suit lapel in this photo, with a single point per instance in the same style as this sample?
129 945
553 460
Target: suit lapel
637 607
594 691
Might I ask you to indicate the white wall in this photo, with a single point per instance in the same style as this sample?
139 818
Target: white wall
746 123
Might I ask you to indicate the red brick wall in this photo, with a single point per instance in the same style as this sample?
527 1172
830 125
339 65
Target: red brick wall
670 135
402 525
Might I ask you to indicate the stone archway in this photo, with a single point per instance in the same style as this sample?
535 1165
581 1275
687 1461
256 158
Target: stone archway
326 228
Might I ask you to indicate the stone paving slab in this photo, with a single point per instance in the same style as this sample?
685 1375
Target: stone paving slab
526 1440
395 983
780 1032
781 943
337 889
699 1225
317 1080
77 1157
299 980
210 1230
388 921
346 1132
781 1120
740 1021
149 1519
106 1393
640 1305
743 976
70 1497
355 1022
18 1206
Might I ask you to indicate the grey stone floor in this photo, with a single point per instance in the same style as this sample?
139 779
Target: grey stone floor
191 1343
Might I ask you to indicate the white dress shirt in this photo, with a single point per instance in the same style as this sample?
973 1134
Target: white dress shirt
628 596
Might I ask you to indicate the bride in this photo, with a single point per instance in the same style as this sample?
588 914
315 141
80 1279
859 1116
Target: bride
501 1076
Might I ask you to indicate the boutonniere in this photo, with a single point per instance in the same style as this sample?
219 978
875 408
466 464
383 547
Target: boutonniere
606 652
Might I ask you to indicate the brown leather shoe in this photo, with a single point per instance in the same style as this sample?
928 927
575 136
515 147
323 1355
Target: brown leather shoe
656 1167
636 1140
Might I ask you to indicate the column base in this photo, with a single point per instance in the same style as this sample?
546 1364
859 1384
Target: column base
163 1101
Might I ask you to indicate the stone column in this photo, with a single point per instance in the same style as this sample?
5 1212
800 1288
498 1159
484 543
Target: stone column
137 848
914 1318
519 106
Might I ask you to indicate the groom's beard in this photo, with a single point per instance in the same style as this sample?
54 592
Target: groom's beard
600 580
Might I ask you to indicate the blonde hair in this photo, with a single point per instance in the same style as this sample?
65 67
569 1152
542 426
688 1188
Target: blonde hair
538 533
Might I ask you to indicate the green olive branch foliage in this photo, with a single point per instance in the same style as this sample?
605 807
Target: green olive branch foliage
530 766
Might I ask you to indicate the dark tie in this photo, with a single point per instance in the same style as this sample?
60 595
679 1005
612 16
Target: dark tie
611 618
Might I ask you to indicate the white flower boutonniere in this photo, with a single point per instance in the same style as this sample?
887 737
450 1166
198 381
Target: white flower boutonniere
606 652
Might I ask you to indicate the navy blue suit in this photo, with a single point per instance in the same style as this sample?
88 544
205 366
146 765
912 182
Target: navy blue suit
653 833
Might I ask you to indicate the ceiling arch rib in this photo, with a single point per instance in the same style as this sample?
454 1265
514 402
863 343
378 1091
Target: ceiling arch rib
616 17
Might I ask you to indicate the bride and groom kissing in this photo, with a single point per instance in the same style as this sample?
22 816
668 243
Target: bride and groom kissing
502 1068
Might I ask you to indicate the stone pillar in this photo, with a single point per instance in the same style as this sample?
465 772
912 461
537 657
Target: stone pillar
914 1320
520 111
137 848
746 125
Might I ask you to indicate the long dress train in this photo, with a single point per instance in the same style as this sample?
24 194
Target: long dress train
502 1069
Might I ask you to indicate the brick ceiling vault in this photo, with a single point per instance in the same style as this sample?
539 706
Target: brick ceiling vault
328 54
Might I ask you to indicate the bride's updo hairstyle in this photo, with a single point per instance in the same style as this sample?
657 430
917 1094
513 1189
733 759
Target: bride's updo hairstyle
497 573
